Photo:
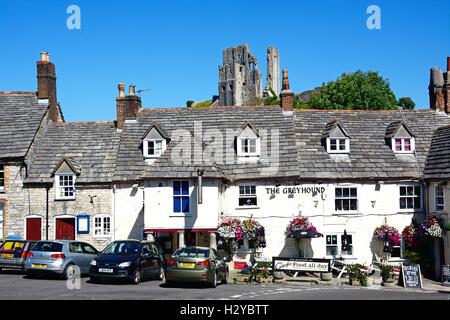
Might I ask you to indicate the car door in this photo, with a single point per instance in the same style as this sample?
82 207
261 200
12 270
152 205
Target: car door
220 264
156 259
76 254
89 253
145 259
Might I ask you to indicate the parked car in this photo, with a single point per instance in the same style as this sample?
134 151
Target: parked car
13 253
132 260
60 257
197 264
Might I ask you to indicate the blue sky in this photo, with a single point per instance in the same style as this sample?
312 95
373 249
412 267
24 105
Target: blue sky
174 47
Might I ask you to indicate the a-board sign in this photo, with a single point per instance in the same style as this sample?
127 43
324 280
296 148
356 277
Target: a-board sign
411 276
300 264
446 275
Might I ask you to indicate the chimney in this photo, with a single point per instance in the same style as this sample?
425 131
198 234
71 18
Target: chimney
447 87
46 76
127 107
436 90
286 95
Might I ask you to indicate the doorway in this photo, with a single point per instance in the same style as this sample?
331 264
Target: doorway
33 228
65 229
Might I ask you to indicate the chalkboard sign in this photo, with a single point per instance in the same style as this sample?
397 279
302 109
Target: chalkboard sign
446 275
412 277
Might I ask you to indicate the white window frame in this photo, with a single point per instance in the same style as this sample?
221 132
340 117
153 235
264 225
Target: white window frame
403 151
2 212
408 196
247 195
2 175
346 198
338 145
439 194
339 245
101 228
154 141
241 153
59 189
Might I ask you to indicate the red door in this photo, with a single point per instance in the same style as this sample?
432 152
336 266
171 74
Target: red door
65 229
34 228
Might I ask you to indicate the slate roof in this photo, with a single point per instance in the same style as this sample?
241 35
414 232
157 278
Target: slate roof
92 146
370 156
302 153
438 161
393 128
229 121
20 117
330 126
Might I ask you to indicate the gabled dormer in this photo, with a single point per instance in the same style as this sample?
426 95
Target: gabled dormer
248 144
400 138
65 174
335 138
154 142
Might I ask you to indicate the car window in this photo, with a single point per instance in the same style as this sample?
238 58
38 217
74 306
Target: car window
8 245
75 247
154 249
123 247
88 249
48 247
146 250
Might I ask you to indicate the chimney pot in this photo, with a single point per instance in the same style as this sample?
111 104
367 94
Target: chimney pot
286 95
45 56
132 90
121 87
448 64
285 80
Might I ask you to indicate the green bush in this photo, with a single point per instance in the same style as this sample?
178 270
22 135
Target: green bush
355 273
386 272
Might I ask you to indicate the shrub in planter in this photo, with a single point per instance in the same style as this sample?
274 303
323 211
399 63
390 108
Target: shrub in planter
356 275
387 274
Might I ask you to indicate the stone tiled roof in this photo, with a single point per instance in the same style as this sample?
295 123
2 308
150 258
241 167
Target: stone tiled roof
20 117
91 145
302 153
438 161
228 121
370 156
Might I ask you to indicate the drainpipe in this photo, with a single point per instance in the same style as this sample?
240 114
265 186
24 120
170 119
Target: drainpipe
46 211
114 211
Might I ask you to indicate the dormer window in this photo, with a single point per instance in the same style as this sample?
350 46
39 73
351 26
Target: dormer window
65 177
336 138
248 142
400 138
65 186
154 143
338 145
154 148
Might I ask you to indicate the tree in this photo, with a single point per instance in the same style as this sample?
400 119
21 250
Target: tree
359 90
406 103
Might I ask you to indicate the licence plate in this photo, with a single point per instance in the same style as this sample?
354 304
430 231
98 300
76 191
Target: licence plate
187 265
106 270
7 255
39 266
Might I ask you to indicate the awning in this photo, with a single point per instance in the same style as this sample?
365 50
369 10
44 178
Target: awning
304 234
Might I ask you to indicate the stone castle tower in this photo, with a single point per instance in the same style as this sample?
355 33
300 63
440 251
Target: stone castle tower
240 81
439 89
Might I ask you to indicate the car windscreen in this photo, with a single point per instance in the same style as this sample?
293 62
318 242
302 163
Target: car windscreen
191 253
48 247
123 247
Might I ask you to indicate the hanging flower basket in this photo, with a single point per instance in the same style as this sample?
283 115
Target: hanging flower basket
431 228
300 224
386 232
237 229
249 228
409 235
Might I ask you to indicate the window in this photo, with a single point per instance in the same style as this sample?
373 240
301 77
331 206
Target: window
102 226
410 197
439 198
334 245
153 148
341 145
2 177
88 249
181 196
346 199
247 196
248 147
65 186
403 145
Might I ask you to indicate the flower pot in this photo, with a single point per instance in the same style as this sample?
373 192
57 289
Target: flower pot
326 276
277 275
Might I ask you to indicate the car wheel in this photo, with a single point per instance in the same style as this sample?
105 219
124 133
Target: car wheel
1 269
30 274
136 279
69 272
161 275
93 279
170 283
214 280
227 277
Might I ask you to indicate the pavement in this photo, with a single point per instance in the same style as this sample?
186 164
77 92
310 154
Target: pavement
14 285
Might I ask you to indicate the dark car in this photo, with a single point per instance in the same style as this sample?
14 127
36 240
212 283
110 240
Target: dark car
13 253
132 260
197 264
